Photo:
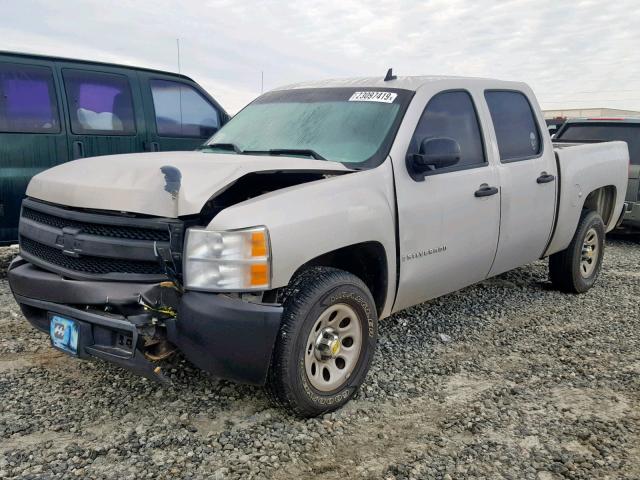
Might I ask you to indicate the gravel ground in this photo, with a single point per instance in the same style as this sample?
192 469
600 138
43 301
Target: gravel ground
505 379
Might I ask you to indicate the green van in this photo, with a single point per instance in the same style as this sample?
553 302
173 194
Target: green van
53 110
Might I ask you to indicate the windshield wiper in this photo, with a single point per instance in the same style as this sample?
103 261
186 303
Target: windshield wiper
289 151
231 147
297 151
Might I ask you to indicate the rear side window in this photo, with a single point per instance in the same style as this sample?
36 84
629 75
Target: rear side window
27 99
181 111
604 132
452 115
515 125
99 103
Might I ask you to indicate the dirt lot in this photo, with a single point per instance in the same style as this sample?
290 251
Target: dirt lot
506 379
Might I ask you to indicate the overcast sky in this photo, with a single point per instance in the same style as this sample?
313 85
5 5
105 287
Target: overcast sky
573 53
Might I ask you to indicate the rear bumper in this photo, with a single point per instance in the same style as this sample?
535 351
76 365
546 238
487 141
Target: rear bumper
224 336
631 215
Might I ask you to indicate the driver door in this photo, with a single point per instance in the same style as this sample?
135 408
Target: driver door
448 225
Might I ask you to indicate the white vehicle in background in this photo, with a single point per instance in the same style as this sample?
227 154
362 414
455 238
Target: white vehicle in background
270 255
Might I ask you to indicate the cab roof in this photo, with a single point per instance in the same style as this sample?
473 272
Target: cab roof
411 83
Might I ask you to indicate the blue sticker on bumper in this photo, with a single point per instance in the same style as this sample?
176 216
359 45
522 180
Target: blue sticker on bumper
64 334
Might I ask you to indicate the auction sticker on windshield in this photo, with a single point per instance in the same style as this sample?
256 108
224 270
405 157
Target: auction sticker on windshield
383 97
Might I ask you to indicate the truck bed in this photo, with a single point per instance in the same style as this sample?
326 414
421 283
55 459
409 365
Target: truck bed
582 169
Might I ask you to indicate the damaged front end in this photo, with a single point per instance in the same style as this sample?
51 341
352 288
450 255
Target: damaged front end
116 278
113 324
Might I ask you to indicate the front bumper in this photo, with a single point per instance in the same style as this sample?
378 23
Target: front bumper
225 336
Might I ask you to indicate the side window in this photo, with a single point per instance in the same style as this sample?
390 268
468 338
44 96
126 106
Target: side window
27 99
515 125
99 103
452 115
182 112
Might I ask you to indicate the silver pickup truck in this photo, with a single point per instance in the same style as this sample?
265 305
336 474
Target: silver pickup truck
270 255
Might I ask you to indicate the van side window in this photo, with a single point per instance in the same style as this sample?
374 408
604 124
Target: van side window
515 125
452 115
181 111
99 103
27 99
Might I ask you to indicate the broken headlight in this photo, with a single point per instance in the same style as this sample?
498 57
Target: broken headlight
232 260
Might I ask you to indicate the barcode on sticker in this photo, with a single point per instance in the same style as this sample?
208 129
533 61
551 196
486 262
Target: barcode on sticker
384 97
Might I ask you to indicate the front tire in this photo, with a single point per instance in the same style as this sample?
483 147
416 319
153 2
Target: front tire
576 269
326 342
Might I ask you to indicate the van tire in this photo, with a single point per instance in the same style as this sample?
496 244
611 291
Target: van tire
570 270
315 297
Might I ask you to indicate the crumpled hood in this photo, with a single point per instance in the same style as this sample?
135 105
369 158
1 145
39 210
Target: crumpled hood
165 184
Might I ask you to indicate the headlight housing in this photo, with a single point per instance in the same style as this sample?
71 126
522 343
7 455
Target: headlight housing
230 260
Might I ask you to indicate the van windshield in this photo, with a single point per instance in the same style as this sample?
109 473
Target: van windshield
348 125
605 132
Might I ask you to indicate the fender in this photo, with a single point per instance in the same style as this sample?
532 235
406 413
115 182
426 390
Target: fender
309 220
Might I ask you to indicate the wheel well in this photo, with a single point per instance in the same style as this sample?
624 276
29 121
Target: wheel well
603 201
367 261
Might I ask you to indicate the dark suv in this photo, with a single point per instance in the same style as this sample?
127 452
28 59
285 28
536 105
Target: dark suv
53 110
604 130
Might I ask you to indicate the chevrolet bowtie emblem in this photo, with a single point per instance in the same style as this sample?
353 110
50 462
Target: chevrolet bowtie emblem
69 242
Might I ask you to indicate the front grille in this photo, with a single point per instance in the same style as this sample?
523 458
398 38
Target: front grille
101 246
115 231
87 263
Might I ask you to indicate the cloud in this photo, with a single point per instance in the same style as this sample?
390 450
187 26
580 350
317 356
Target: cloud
574 54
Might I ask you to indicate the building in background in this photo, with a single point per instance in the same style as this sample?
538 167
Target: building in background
589 113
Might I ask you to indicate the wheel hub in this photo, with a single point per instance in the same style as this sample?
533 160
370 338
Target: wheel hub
327 344
587 252
333 347
590 252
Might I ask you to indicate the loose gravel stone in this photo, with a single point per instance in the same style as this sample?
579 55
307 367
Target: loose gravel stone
505 379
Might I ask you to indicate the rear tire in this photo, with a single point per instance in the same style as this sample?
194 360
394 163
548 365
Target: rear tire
326 342
576 269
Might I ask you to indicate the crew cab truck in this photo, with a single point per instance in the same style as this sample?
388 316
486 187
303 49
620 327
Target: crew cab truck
270 255
592 130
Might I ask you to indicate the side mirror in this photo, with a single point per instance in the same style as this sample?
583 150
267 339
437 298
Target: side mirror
434 153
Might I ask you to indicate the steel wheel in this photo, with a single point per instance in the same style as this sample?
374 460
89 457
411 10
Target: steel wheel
576 269
590 253
333 347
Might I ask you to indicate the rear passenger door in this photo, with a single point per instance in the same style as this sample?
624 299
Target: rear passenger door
104 110
180 115
528 179
32 132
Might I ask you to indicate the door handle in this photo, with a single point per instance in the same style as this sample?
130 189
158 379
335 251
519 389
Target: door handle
78 150
152 146
486 191
545 178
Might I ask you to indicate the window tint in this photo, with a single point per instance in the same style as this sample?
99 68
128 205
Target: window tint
515 125
452 115
27 99
99 103
182 112
603 132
